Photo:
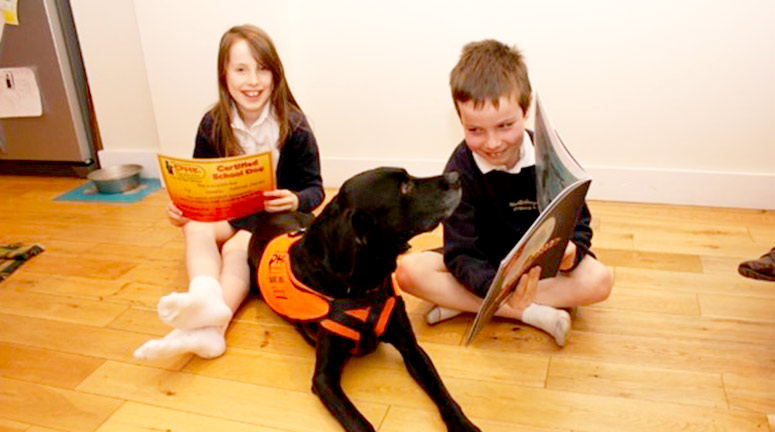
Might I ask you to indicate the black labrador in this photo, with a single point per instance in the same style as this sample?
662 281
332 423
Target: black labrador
331 277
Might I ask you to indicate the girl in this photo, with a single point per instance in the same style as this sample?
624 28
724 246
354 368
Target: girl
256 112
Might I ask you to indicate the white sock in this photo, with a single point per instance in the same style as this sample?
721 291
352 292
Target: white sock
206 342
201 306
438 314
556 322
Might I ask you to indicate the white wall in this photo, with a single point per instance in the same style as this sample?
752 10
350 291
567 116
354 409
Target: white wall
661 101
118 81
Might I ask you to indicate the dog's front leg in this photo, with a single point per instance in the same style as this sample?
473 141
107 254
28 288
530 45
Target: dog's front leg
331 355
399 334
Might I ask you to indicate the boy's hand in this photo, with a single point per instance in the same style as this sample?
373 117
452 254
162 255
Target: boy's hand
280 200
176 216
526 289
569 257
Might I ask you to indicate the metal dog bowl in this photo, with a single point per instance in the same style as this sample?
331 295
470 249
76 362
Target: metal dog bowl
116 179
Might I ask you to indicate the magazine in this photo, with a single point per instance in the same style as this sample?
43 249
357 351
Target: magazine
561 186
210 190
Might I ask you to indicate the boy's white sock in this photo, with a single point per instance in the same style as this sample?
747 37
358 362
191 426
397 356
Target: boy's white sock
556 322
206 342
201 306
438 314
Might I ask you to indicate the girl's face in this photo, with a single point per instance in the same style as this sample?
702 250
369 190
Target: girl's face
249 83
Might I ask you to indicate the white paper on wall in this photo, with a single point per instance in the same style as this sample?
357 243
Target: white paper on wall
19 93
9 12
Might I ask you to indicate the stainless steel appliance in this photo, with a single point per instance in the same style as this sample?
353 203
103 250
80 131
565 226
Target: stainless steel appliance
63 140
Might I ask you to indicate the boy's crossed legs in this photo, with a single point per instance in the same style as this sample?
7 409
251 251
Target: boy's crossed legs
425 275
219 284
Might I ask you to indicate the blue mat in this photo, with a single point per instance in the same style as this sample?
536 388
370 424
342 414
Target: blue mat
89 192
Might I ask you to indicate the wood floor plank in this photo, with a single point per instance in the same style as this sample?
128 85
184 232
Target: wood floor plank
738 307
636 382
685 282
169 274
45 366
62 308
139 294
613 240
230 400
52 407
660 214
666 302
763 234
751 393
41 429
674 327
148 237
49 263
72 338
136 417
141 320
12 426
64 285
400 419
649 260
716 265
376 377
708 356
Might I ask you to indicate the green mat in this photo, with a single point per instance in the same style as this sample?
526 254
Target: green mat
14 255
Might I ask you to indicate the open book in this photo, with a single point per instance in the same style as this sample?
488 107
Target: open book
210 190
561 185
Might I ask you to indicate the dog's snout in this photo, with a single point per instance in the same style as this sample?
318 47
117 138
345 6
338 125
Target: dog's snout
453 179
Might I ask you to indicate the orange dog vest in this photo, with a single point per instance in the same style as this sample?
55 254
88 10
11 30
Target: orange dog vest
355 319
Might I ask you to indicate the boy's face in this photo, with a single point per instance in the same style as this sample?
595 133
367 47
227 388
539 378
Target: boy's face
495 134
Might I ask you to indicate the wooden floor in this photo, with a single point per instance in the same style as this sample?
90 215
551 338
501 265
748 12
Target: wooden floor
683 344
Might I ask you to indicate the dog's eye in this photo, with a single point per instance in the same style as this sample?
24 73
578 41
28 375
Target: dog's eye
406 188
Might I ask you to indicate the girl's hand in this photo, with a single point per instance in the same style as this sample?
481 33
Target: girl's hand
176 216
569 257
281 200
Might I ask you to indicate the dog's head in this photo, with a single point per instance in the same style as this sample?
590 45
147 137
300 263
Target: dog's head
370 221
392 204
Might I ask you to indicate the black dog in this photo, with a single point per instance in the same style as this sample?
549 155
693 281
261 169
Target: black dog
347 256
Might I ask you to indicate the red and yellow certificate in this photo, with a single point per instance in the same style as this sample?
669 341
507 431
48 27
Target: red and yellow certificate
217 189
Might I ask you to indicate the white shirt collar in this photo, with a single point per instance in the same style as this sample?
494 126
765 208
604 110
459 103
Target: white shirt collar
527 158
238 123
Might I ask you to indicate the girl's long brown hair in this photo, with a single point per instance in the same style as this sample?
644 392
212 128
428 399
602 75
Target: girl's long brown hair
282 99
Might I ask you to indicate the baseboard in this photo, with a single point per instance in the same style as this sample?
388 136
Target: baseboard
701 188
680 187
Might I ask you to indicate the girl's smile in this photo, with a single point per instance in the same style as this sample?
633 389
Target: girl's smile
249 83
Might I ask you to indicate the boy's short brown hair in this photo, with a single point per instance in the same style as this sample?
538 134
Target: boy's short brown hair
488 70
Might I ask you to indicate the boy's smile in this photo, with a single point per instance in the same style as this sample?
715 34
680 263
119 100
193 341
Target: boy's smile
494 134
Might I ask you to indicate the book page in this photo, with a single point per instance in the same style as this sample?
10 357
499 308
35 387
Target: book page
563 185
209 190
556 168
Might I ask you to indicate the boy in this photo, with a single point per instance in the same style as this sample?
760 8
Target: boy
496 162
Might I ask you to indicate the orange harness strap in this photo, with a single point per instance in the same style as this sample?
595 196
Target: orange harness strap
290 298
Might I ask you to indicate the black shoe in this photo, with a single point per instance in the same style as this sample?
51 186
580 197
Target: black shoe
762 268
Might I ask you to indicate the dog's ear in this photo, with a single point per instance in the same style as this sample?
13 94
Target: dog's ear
339 239
362 225
351 234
